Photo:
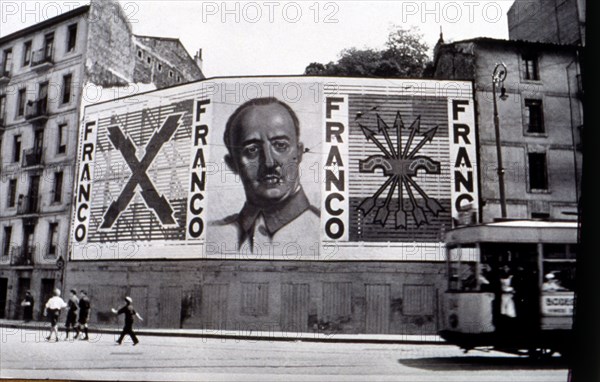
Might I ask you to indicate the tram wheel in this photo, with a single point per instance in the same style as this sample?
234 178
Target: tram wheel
541 353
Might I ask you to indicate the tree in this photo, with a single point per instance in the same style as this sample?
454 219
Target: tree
405 55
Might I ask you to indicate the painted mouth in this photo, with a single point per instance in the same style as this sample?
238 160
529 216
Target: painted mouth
271 180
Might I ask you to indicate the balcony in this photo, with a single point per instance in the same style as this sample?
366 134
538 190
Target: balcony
33 157
42 59
28 205
37 111
4 77
21 256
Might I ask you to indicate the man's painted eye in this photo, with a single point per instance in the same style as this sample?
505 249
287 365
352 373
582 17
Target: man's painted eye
250 151
281 145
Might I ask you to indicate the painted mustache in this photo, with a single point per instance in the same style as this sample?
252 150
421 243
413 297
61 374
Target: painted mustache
271 176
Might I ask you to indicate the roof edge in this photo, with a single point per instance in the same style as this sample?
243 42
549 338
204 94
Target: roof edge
46 23
490 40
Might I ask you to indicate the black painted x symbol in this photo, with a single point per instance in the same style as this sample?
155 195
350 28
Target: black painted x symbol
153 200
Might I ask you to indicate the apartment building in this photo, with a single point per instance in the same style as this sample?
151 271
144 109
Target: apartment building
45 70
540 116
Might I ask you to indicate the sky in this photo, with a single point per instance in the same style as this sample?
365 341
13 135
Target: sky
282 37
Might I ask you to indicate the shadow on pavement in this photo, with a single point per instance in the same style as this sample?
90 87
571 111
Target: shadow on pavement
485 363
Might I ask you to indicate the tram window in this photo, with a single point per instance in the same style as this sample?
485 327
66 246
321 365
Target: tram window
562 272
469 281
559 251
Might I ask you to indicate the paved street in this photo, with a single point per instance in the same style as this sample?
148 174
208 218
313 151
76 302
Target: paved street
25 354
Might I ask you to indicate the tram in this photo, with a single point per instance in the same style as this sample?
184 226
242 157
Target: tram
511 287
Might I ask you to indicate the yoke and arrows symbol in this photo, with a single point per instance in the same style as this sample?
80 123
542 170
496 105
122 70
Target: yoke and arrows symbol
400 164
157 203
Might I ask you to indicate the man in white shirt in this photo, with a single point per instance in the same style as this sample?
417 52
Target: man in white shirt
53 307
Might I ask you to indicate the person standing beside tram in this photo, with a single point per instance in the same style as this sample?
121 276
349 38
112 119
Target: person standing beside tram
507 303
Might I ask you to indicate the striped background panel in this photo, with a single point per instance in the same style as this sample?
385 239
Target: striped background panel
169 172
433 112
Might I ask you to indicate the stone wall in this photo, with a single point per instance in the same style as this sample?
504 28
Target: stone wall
109 57
544 21
164 62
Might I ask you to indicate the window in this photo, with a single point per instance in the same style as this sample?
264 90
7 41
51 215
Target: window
12 192
149 59
42 106
140 54
27 53
16 148
71 37
58 181
66 90
530 70
62 139
160 67
171 73
7 239
21 102
53 239
538 176
534 116
49 45
6 62
2 109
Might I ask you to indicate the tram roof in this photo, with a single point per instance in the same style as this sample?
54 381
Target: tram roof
515 231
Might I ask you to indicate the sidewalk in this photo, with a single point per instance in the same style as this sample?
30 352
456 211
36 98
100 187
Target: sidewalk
243 334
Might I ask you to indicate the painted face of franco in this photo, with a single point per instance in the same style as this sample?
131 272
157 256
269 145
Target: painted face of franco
266 153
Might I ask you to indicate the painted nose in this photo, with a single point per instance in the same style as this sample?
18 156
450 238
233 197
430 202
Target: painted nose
269 156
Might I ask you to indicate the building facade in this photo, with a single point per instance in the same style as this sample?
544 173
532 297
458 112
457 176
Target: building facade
540 117
45 71
557 21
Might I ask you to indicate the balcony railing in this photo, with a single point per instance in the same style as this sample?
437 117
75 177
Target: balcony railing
28 205
4 76
37 110
33 157
22 255
42 59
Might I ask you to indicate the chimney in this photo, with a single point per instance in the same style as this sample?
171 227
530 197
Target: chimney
198 58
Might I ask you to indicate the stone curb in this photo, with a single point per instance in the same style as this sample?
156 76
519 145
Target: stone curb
249 335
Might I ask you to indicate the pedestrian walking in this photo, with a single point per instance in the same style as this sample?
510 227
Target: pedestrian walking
84 315
27 305
129 313
52 309
73 305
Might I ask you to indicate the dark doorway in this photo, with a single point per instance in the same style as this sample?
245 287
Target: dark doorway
45 293
23 287
3 295
28 244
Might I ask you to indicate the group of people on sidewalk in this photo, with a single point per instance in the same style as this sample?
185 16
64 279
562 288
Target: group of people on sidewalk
79 322
75 305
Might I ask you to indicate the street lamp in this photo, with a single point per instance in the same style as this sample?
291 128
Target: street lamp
498 78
